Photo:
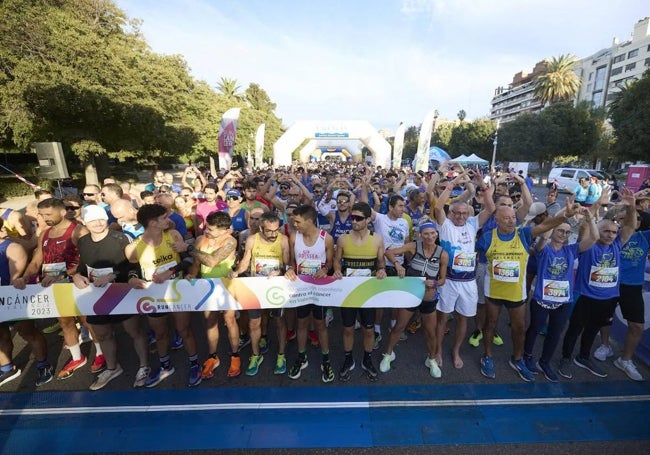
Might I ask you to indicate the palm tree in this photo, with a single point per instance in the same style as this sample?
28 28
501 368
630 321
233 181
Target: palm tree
559 82
229 88
461 115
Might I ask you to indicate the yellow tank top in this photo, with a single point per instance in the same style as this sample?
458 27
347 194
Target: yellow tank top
359 260
156 259
266 257
507 260
220 270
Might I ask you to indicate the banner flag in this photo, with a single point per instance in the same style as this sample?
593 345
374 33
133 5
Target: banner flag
398 146
259 145
216 294
422 155
227 135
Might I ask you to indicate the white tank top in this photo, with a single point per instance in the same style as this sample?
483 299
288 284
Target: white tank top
310 259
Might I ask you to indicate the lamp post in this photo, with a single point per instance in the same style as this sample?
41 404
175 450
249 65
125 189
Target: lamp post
494 150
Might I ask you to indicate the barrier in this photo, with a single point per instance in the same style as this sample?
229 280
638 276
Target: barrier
65 299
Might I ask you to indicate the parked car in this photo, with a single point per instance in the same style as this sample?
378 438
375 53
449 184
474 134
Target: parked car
567 178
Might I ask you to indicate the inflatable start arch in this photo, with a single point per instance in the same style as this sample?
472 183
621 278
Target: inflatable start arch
316 131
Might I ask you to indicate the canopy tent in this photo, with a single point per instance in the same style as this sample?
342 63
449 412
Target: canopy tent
438 154
472 159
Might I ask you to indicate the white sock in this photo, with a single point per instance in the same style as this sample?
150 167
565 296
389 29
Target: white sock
98 349
393 322
378 328
75 351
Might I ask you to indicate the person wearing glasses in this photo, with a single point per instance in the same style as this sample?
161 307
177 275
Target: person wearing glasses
73 206
340 218
553 292
359 253
91 195
110 193
237 213
266 254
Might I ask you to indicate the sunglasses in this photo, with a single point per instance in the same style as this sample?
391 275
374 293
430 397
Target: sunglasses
357 218
71 208
342 201
88 194
232 198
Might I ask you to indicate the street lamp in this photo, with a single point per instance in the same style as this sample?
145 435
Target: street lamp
494 150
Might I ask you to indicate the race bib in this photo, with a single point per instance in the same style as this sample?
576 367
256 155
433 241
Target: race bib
54 269
309 267
464 261
556 291
358 272
266 266
603 277
96 273
150 272
505 271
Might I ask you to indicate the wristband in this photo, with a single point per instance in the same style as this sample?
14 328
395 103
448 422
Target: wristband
133 274
288 267
190 248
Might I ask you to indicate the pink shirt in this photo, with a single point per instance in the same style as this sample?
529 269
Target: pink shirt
203 209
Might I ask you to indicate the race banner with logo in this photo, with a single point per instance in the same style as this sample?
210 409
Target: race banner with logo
65 299
259 145
422 155
398 146
227 135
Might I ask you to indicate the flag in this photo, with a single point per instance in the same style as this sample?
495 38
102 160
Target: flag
227 134
259 145
398 146
422 155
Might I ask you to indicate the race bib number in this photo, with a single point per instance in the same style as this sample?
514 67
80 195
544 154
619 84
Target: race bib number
96 273
358 272
603 277
150 272
309 267
266 266
556 291
54 269
506 271
464 261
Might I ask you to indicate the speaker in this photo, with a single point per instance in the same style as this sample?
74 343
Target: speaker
50 160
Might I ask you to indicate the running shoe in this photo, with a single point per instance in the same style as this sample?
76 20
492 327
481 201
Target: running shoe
70 367
161 375
264 345
254 365
44 375
520 367
177 342
434 369
548 371
313 338
475 338
496 339
328 372
235 367
195 375
603 352
329 317
531 364
10 375
300 364
141 377
244 341
414 326
209 366
52 327
384 365
403 336
280 364
291 335
369 368
487 367
590 366
105 377
346 369
628 367
377 341
99 365
565 369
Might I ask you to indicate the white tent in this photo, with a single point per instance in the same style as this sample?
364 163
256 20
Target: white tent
472 159
459 159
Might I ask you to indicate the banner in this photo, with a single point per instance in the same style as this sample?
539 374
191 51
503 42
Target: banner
398 146
259 145
227 135
65 299
422 155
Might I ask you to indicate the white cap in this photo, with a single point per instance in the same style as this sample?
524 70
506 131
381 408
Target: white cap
93 212
536 208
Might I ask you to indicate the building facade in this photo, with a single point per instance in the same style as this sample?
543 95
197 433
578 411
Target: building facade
518 97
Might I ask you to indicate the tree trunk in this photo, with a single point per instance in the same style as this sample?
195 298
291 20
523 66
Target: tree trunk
91 172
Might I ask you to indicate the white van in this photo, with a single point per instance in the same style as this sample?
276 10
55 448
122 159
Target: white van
567 178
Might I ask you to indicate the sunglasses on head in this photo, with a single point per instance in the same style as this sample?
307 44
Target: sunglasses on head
357 218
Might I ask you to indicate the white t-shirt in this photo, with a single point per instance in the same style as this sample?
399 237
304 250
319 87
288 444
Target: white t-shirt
395 234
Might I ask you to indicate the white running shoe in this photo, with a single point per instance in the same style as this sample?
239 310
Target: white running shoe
384 365
603 352
628 367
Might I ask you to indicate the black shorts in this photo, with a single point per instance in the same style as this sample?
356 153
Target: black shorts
631 302
366 317
158 315
505 303
104 319
317 310
254 314
425 307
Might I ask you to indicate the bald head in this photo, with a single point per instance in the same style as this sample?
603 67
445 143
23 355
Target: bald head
123 210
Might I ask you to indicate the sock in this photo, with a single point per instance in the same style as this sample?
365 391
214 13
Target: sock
325 356
377 328
42 364
194 359
367 355
234 354
75 351
302 355
98 349
213 355
393 322
348 354
7 367
165 362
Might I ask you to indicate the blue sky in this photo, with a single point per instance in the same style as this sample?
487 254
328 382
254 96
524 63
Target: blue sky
385 61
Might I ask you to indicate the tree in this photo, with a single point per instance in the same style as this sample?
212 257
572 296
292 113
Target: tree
258 99
472 137
630 118
461 115
229 88
559 82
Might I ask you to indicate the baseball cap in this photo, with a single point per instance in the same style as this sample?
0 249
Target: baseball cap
536 208
93 212
233 193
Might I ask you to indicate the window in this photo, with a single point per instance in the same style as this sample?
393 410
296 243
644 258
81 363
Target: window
616 71
647 62
630 66
619 58
597 99
633 53
591 75
568 173
588 88
600 78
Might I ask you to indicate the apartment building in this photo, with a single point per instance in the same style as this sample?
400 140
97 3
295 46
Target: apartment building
518 97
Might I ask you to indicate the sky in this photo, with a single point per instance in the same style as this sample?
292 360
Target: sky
384 61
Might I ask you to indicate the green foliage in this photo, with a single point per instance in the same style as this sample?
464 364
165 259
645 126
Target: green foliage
630 117
472 137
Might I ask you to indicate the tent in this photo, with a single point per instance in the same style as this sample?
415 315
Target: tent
472 159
